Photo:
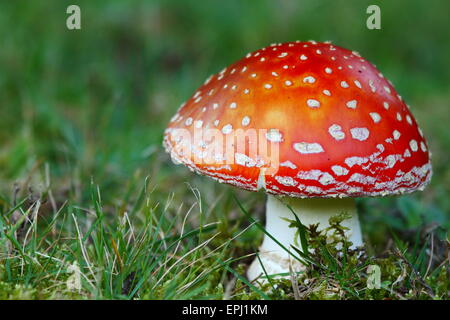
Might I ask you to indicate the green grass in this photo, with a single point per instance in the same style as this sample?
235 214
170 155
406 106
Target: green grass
85 184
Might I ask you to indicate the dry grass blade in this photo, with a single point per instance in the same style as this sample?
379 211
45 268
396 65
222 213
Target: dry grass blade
294 282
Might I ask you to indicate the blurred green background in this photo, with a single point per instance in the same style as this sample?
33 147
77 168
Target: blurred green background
93 103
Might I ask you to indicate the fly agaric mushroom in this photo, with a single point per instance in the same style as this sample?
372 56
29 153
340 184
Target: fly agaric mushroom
338 127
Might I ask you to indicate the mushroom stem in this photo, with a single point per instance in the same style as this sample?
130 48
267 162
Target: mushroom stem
310 211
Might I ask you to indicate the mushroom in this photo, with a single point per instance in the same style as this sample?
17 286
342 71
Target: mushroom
335 127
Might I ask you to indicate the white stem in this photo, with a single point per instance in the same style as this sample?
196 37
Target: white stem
310 211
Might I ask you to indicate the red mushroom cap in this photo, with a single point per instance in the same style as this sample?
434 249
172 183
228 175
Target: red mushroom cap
339 126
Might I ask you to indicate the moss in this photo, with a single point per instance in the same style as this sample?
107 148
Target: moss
337 272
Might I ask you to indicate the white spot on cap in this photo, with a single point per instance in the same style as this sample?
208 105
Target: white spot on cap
286 181
399 116
413 145
387 89
328 70
339 171
216 122
386 105
326 179
274 74
344 84
409 120
244 160
227 129
423 146
268 86
282 55
318 51
208 80
215 105
246 91
309 174
198 124
313 189
288 164
188 121
307 147
288 82
351 161
391 160
352 104
326 92
360 178
274 135
303 57
407 153
313 103
375 117
233 105
322 177
396 134
372 86
245 121
336 132
358 84
380 147
175 117
309 79
360 134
